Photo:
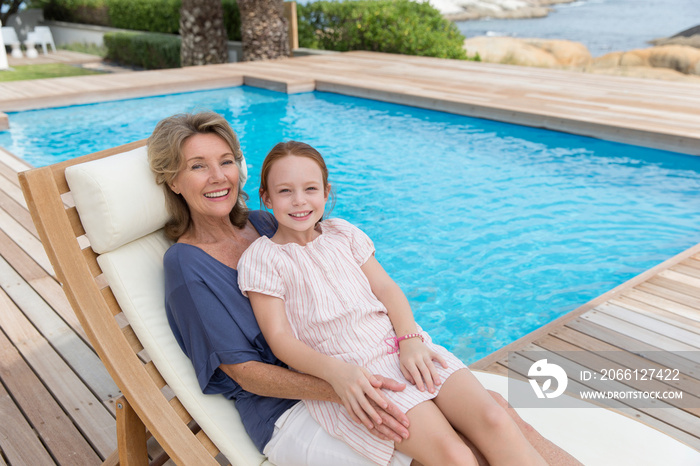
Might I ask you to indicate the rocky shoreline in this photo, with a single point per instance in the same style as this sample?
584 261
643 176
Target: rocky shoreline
464 10
674 59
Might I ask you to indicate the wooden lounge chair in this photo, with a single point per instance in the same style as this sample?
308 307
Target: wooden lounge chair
107 252
146 402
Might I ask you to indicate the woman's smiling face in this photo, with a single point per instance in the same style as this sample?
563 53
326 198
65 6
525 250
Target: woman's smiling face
208 180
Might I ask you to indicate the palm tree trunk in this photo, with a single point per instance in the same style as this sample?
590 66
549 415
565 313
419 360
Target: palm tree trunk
263 29
202 31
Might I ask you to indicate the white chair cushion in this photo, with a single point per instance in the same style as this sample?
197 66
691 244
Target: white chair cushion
135 275
117 199
596 435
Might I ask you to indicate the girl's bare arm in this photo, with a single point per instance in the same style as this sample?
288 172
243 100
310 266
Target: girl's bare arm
416 358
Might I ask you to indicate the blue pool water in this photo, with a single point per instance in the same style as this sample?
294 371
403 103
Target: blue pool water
491 229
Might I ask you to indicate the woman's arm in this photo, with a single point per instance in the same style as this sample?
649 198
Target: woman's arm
416 358
279 382
354 385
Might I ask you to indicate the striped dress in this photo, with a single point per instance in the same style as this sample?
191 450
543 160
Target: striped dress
331 308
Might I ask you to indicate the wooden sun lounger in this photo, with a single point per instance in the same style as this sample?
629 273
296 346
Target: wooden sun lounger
144 406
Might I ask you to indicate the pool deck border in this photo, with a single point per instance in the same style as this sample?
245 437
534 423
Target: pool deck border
646 112
67 390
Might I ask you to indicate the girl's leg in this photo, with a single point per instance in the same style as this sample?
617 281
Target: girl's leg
551 453
432 440
472 411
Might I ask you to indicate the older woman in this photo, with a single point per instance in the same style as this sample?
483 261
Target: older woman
197 159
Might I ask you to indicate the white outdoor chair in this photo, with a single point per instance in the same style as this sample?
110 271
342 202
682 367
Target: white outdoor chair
44 37
9 37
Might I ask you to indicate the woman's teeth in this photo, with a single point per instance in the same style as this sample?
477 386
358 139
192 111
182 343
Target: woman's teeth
217 194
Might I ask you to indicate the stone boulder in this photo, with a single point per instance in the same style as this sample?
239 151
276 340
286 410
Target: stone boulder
566 52
692 41
681 58
529 52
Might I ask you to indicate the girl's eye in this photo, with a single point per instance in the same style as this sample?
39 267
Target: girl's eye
284 190
312 188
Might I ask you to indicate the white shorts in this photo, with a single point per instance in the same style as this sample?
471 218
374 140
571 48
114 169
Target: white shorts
298 440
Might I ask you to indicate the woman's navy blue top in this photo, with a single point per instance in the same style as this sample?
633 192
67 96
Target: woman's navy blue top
214 324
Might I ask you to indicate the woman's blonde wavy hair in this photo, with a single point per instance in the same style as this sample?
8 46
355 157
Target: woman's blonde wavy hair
166 160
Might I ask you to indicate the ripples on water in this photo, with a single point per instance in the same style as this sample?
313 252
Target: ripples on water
491 229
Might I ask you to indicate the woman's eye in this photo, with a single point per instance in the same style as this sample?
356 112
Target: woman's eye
227 162
197 166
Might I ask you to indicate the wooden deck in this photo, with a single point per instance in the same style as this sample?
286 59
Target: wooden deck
57 400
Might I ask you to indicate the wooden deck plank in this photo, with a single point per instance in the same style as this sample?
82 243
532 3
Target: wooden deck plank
12 190
76 352
680 420
25 240
670 316
78 402
594 360
17 212
63 440
18 442
635 346
668 330
640 333
671 294
686 382
681 277
47 287
677 286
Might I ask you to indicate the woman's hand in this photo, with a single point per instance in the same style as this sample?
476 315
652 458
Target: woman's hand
356 387
417 365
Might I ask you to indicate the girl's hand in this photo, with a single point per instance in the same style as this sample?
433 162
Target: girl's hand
356 387
417 365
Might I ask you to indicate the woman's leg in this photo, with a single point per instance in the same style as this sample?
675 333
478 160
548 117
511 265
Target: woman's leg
472 411
432 440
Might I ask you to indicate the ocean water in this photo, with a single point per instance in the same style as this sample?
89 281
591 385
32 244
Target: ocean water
491 229
601 25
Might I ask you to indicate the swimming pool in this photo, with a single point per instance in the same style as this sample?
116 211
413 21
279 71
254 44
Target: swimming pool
491 229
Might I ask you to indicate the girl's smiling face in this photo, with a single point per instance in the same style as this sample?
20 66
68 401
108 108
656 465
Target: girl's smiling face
209 178
297 196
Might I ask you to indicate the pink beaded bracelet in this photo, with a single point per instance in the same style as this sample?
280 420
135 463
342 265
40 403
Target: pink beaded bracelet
393 342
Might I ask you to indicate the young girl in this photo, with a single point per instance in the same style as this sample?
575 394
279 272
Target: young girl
327 308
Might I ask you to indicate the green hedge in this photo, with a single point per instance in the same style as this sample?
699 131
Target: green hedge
75 11
149 15
147 50
140 15
394 26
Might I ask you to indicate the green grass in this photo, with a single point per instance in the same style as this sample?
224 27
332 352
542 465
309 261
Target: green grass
49 70
91 49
